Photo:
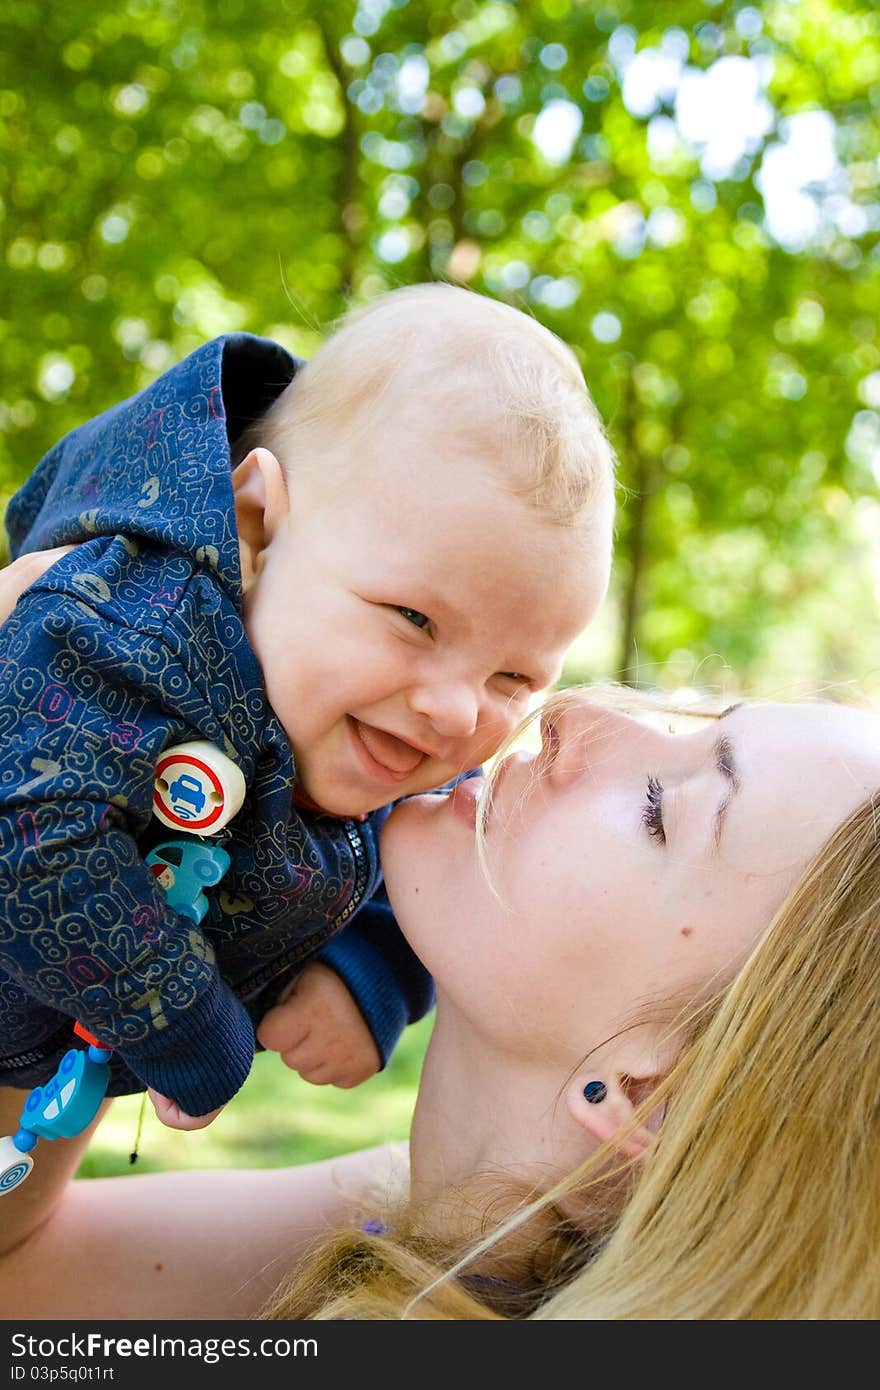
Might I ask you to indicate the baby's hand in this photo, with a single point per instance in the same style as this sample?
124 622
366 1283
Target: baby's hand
319 1031
171 1114
22 573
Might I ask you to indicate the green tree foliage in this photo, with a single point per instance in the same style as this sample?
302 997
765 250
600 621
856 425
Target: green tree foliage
175 170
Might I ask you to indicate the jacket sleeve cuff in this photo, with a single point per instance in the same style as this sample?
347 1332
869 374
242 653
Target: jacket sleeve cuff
204 1055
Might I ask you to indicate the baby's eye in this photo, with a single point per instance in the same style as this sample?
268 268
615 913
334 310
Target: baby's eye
413 616
521 685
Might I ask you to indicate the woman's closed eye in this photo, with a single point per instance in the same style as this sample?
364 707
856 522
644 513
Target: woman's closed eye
652 813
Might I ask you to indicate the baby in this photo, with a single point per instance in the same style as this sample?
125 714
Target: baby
351 576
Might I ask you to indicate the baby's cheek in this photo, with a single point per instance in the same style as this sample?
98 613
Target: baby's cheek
491 736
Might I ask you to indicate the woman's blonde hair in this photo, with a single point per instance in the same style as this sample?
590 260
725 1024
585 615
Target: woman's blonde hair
761 1199
485 367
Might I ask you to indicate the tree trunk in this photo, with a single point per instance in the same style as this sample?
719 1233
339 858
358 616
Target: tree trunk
628 660
352 215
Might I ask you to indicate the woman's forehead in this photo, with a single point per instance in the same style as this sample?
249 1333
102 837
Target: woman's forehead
829 749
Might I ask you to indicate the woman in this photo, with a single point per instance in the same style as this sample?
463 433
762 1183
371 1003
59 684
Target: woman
652 1087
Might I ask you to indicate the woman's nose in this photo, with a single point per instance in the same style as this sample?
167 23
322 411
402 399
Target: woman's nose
582 736
452 708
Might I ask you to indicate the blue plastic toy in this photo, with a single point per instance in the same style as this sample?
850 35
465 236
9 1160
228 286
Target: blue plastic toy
183 868
65 1106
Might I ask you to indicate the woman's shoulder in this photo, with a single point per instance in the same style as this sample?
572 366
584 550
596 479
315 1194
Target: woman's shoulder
391 1174
375 1180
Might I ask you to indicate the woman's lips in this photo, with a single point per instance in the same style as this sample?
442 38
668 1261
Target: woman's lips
463 800
385 757
465 795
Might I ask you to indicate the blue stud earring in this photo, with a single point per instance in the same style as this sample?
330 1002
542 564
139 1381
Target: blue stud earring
595 1092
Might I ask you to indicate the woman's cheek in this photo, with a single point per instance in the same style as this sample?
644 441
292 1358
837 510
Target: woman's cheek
538 889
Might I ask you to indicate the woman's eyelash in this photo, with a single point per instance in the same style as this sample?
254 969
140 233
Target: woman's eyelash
413 616
652 815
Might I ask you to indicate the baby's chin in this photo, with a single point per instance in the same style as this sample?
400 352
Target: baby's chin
342 806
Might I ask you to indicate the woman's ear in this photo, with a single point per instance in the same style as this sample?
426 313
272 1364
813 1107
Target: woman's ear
604 1116
261 503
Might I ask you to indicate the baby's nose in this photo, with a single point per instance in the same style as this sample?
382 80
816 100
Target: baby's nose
452 709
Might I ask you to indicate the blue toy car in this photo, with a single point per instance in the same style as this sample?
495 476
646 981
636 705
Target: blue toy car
186 796
183 868
65 1106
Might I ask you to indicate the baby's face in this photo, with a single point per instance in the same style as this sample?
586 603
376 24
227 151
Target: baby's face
405 616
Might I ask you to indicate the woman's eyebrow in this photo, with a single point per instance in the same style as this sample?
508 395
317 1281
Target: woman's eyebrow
738 704
726 764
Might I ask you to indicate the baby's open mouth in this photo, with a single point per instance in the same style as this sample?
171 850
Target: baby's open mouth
390 751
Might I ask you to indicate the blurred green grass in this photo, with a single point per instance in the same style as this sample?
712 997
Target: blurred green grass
275 1120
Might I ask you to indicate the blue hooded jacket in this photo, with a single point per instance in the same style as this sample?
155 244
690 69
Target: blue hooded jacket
131 643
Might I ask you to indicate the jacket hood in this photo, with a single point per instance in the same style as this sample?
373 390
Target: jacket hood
158 465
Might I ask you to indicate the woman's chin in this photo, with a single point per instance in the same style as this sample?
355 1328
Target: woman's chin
413 811
416 846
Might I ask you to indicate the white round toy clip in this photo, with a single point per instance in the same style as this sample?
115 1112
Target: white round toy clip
15 1166
197 789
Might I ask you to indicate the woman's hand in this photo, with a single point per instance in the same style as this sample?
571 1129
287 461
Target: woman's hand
18 576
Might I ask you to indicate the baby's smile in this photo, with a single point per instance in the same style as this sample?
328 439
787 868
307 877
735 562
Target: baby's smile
384 755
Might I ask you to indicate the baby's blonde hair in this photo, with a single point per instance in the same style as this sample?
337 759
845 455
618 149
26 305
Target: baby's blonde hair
509 382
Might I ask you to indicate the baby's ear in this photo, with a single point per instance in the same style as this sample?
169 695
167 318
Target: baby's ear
261 503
